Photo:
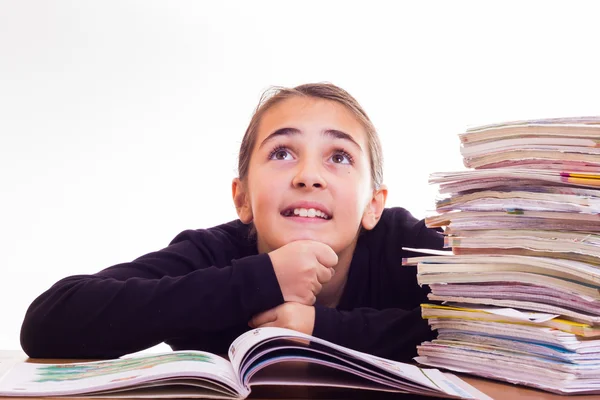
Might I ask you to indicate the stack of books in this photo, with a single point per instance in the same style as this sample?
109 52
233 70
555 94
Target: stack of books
519 299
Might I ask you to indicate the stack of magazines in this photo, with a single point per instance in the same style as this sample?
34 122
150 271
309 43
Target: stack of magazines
519 299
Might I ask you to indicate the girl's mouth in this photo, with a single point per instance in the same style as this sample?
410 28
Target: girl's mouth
305 212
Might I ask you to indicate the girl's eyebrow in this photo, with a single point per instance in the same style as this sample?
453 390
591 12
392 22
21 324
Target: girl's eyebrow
333 133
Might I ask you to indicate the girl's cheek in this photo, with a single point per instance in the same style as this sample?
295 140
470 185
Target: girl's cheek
270 183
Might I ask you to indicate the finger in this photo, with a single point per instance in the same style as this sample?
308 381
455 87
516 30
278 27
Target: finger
326 256
263 318
265 325
324 274
308 300
316 288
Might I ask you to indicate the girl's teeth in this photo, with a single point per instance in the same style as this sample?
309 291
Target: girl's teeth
310 213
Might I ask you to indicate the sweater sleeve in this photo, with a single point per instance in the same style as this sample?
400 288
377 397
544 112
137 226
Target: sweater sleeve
174 292
390 333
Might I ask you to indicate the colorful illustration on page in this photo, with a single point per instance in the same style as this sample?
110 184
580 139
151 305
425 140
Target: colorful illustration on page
69 372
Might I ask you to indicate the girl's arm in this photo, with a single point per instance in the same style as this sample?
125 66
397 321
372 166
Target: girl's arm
390 333
172 293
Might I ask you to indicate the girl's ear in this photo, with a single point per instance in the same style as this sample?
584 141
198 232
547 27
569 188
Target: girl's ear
375 208
241 201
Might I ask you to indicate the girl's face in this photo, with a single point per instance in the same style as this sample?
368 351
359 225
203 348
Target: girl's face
309 177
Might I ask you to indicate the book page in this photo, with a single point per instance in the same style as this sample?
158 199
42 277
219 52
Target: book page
518 304
33 379
407 375
9 359
318 361
544 265
455 312
295 371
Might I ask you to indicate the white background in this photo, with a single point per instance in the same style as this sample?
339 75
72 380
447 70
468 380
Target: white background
120 121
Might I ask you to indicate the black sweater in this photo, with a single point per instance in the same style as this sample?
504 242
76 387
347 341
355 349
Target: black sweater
200 292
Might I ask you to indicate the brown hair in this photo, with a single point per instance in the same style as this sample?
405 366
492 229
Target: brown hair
325 91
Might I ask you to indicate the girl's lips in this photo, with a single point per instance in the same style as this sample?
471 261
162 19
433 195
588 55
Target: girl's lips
306 220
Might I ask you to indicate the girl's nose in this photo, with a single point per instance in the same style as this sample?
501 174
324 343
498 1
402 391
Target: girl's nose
309 175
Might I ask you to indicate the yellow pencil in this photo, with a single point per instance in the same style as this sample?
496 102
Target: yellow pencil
581 181
579 175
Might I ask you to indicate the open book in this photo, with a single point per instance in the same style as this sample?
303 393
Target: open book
263 356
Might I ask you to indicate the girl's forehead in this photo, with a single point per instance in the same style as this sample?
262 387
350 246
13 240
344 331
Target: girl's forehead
312 115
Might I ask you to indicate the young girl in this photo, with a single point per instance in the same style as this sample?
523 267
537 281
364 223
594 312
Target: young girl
313 250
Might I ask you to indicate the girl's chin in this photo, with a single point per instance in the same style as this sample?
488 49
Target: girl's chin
316 238
293 237
266 246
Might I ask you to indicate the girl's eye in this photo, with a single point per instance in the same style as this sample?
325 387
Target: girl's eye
341 157
279 153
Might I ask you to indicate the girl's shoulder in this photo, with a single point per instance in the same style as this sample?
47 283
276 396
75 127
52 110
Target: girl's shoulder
398 219
232 237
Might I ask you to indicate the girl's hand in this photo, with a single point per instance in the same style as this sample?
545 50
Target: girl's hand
296 316
302 267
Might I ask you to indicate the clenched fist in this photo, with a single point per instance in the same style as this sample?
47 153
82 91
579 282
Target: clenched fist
298 317
302 267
